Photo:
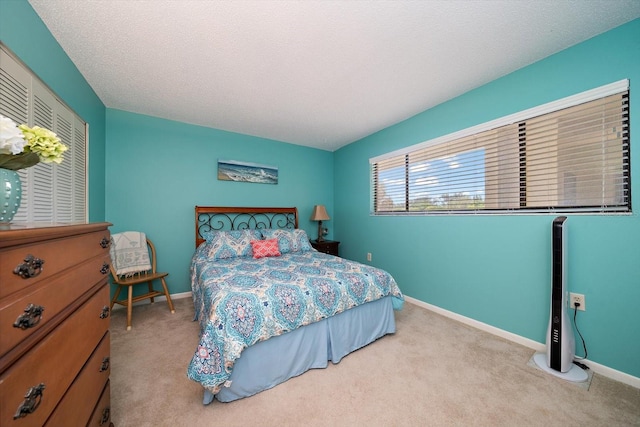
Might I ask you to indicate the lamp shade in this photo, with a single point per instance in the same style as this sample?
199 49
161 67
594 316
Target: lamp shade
319 213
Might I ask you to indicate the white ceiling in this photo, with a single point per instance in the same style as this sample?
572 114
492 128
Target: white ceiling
318 73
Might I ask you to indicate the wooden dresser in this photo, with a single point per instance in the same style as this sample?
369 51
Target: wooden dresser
54 325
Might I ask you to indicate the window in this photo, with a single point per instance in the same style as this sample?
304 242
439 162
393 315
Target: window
571 155
50 193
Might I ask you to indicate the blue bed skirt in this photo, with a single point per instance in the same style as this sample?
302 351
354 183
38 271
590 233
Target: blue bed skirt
271 362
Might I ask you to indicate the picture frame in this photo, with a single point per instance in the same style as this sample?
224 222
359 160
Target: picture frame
233 170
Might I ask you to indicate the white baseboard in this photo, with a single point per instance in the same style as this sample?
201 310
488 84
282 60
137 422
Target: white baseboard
160 298
181 295
596 367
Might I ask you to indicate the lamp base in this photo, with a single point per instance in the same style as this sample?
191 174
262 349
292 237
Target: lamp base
320 237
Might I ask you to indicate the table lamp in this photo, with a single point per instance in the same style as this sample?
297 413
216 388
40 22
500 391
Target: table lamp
319 214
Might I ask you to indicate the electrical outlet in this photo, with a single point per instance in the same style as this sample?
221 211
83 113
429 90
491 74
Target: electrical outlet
368 256
577 298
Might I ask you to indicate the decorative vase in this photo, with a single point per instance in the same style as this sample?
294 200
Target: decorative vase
10 194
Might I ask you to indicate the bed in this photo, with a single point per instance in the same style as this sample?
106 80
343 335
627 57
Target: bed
270 307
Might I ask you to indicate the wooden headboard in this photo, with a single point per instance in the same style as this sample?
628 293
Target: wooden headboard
234 218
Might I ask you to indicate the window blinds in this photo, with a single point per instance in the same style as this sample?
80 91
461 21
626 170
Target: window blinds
569 156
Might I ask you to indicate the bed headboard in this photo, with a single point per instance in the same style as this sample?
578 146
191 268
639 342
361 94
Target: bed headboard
233 218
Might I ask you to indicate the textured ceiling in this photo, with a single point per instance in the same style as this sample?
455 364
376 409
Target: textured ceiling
318 73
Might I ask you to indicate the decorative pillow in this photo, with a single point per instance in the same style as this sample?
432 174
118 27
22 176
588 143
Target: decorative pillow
289 240
265 248
230 244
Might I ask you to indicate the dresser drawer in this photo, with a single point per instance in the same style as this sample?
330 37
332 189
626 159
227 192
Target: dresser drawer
326 246
102 413
50 297
86 388
56 254
53 364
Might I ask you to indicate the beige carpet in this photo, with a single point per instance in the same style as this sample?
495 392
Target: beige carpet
434 371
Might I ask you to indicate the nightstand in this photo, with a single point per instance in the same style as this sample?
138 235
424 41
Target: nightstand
327 246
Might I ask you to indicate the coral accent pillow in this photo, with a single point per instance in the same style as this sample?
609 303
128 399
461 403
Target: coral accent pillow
265 248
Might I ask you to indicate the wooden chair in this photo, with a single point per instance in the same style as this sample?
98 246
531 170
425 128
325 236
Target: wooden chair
130 280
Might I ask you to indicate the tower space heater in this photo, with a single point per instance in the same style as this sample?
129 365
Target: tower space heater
561 343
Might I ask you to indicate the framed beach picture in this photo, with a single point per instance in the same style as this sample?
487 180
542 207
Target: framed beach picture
231 170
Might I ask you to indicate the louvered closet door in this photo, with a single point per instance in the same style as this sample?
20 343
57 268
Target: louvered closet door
41 175
63 173
50 192
14 103
78 163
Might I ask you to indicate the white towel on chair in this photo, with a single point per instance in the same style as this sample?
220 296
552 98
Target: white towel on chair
129 253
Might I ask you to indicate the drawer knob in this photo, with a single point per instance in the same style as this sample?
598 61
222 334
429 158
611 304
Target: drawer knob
31 267
105 268
104 243
105 364
105 312
30 318
106 414
31 401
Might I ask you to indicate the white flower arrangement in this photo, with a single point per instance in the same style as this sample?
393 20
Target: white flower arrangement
22 147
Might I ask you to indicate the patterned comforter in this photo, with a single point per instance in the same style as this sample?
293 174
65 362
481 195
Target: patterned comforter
241 301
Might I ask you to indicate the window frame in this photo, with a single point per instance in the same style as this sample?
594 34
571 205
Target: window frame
616 88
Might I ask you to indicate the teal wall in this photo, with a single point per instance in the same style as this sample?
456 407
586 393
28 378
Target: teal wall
22 31
159 170
496 269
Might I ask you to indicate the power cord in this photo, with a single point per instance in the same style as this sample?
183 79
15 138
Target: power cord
584 345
